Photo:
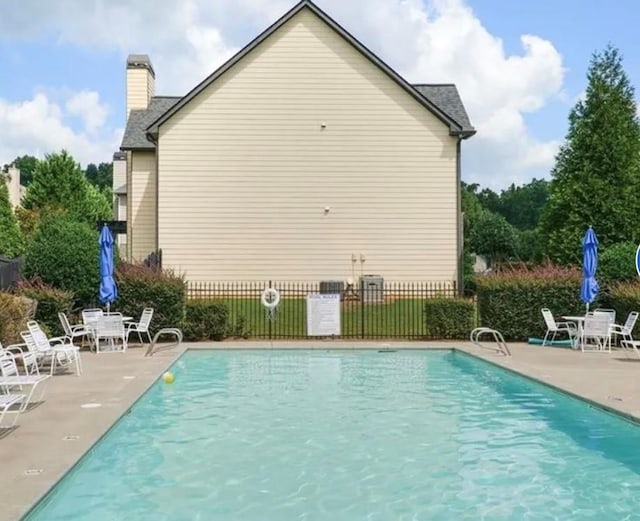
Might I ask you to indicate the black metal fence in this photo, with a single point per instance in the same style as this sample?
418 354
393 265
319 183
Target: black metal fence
371 311
10 271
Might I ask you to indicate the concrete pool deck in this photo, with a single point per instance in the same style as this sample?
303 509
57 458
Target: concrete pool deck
53 436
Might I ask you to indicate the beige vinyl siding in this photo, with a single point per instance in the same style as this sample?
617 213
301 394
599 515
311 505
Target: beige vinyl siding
246 170
139 88
141 213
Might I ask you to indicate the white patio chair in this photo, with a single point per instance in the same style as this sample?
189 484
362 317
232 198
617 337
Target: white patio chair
596 328
12 380
7 401
76 331
110 328
624 330
89 316
59 350
610 312
553 327
141 327
28 358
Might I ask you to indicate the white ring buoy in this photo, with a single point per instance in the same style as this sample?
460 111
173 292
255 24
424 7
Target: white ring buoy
270 298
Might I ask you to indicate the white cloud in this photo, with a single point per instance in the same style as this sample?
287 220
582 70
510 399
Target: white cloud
87 106
435 41
40 126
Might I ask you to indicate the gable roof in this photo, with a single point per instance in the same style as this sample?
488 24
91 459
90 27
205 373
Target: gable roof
446 96
135 135
455 127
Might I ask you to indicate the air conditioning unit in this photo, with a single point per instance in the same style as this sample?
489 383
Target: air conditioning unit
328 287
371 288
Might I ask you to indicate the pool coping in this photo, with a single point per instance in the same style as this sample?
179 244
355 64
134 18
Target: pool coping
173 357
464 348
588 401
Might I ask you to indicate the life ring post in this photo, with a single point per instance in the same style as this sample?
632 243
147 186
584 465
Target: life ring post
270 299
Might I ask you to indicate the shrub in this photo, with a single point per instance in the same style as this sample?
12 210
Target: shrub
624 297
14 313
617 263
64 254
140 287
510 300
206 320
449 317
50 302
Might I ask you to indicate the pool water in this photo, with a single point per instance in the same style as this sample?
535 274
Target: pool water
308 435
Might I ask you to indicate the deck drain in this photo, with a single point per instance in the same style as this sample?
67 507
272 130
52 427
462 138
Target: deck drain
91 405
128 377
615 398
33 472
71 437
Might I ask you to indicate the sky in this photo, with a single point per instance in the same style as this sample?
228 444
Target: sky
520 65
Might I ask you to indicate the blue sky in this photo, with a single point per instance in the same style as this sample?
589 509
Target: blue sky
64 75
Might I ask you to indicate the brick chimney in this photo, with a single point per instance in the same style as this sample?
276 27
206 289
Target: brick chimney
141 80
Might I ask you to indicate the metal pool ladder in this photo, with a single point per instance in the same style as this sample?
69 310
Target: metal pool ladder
501 346
154 347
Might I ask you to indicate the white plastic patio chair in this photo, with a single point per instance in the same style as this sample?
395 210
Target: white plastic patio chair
28 358
89 316
110 329
553 327
7 401
59 350
76 331
595 328
624 330
141 327
12 380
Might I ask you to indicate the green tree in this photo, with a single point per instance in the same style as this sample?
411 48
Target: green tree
471 208
27 166
60 185
101 175
522 206
492 235
596 175
64 252
11 244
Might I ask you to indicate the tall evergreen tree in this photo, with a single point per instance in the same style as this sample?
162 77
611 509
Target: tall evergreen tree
10 237
59 184
597 172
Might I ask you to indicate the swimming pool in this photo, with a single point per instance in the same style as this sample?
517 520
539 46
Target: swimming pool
309 435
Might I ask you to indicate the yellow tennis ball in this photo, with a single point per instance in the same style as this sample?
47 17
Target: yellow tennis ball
168 377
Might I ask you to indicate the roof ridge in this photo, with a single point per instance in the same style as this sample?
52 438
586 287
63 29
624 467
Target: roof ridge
434 84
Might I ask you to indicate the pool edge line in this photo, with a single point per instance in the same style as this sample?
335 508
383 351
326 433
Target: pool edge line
628 417
42 497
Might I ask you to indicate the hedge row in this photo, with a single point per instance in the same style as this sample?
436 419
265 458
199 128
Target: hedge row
449 317
510 301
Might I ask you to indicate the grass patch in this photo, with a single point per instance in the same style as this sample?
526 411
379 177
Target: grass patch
400 318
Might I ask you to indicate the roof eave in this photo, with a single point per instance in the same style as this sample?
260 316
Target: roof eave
464 134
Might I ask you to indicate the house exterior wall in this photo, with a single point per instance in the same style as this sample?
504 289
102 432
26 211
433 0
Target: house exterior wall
141 205
252 186
140 88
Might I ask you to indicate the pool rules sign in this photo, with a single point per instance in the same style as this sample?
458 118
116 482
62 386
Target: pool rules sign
323 314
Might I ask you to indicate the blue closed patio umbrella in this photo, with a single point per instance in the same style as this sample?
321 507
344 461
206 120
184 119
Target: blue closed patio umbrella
108 291
590 287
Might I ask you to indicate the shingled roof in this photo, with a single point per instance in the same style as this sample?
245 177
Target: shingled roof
446 97
135 135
